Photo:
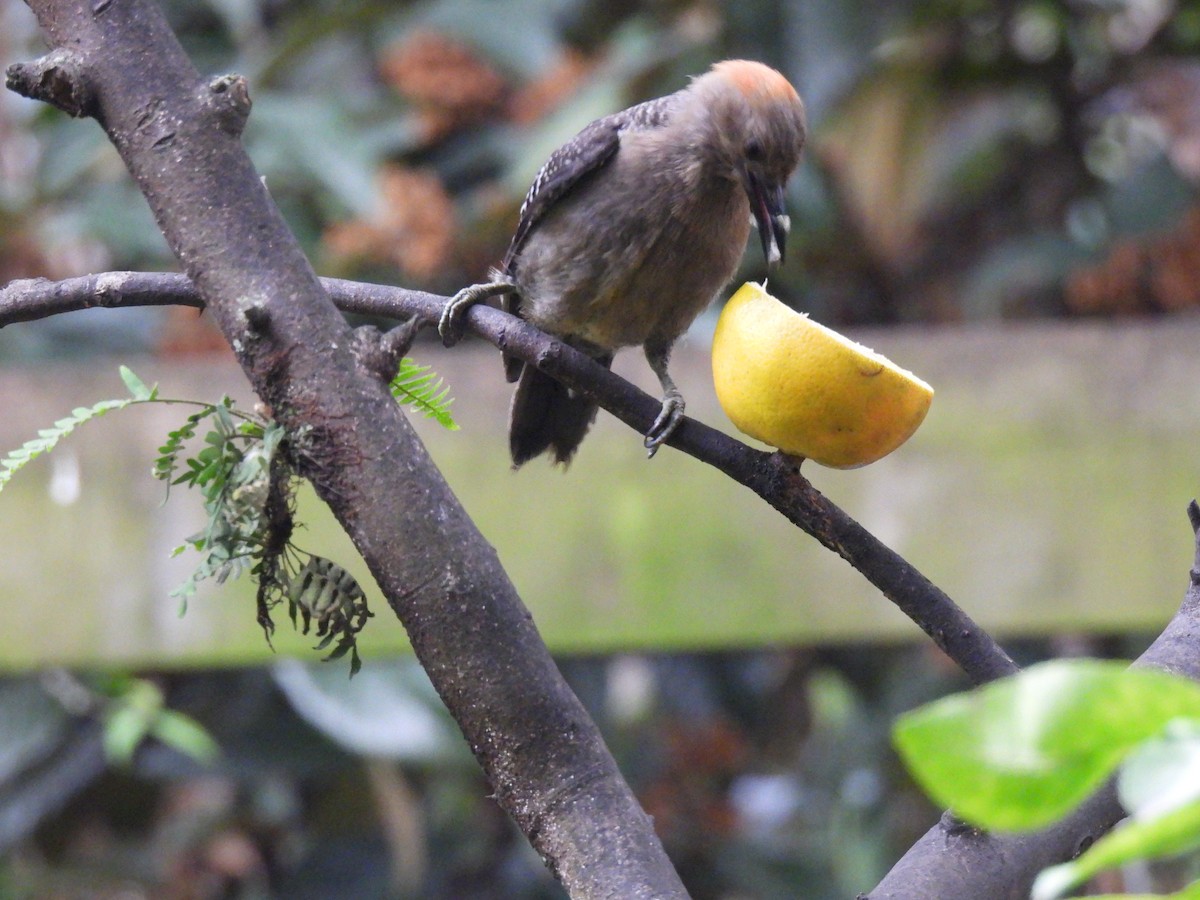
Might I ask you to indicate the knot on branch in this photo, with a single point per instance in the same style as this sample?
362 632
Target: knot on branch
110 291
549 357
953 826
380 354
227 99
258 319
1193 511
56 78
780 474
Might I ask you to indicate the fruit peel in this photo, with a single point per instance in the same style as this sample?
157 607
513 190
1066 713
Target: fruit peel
795 384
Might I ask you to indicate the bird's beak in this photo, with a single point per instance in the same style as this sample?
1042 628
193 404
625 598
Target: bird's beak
766 203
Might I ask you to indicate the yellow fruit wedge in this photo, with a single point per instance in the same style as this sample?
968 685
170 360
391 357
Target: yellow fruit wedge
795 384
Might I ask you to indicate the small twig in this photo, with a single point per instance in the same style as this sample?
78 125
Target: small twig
57 78
773 477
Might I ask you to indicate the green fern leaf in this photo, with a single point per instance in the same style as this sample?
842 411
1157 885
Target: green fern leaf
136 387
418 386
167 462
49 437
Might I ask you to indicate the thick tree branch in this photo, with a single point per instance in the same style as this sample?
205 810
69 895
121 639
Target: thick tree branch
774 477
563 797
950 862
177 134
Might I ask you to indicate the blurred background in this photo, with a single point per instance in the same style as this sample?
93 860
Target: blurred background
1004 194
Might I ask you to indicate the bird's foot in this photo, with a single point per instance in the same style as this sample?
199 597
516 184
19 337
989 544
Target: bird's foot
664 426
451 325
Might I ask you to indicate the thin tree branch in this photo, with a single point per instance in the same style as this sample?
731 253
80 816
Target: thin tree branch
117 60
950 861
774 477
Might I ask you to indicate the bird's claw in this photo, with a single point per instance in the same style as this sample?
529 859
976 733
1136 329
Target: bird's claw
451 324
664 426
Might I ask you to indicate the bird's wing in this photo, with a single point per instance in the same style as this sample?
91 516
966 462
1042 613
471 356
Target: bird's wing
571 163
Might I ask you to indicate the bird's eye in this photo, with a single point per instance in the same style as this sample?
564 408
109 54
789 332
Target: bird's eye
754 150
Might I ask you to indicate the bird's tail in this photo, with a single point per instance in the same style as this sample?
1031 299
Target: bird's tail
547 415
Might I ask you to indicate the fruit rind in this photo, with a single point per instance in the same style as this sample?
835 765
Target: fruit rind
798 385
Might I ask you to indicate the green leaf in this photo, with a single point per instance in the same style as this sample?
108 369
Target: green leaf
136 387
1168 835
124 728
224 420
48 438
1160 787
102 407
168 460
186 735
1191 892
1022 752
272 436
417 386
1162 773
184 592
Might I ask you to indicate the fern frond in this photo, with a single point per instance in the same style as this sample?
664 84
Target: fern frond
167 462
243 470
423 389
136 387
48 437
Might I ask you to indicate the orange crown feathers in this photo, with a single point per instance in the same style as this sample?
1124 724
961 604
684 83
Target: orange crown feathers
755 80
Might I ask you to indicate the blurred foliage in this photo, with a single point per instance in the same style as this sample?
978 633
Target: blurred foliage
767 773
968 160
1021 753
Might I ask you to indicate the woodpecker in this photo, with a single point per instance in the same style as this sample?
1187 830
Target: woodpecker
631 229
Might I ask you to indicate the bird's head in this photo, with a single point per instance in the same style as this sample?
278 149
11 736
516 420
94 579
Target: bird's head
759 128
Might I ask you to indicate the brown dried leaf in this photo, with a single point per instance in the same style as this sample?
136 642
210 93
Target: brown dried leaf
1159 273
413 229
545 94
445 78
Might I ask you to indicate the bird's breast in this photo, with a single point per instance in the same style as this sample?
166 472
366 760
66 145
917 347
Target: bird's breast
635 253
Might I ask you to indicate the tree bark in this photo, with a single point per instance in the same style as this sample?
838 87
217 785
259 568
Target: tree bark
774 477
116 60
178 133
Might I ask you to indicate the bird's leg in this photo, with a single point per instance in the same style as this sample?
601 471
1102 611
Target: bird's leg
450 326
671 414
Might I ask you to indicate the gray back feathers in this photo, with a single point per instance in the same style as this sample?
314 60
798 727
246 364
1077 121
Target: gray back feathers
579 157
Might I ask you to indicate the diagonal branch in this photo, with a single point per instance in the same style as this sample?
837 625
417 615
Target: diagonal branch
455 601
949 861
774 477
118 61
952 862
